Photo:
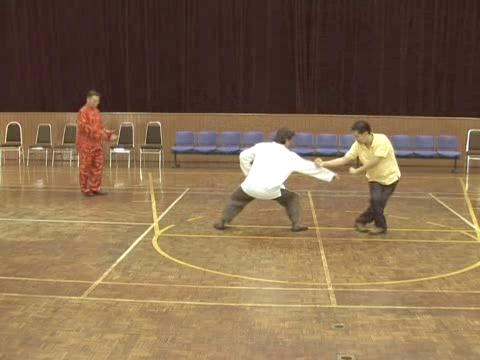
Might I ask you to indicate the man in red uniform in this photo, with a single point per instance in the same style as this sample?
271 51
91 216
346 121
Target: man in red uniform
90 134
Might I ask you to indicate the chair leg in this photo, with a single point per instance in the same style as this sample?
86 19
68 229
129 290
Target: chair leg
454 166
110 159
53 157
70 161
175 163
28 157
46 158
129 159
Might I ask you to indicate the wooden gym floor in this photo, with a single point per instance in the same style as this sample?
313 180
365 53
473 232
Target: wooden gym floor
141 273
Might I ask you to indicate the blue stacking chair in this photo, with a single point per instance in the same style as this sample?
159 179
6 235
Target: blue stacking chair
184 142
303 144
402 145
229 142
326 145
345 143
425 146
251 138
447 147
207 142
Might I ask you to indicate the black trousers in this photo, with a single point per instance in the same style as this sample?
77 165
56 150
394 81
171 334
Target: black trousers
379 195
238 200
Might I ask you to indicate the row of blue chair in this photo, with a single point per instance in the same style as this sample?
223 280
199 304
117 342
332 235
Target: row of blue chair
307 144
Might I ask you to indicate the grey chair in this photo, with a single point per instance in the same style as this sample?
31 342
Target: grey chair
13 142
68 145
43 142
153 142
125 142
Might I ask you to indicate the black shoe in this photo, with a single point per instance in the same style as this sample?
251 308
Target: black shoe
219 225
377 231
100 193
361 227
298 228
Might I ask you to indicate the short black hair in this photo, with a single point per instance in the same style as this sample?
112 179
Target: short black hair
283 135
93 93
362 127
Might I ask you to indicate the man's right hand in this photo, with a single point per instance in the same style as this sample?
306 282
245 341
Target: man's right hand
319 162
113 137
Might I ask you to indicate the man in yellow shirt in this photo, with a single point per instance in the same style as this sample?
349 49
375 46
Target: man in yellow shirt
377 156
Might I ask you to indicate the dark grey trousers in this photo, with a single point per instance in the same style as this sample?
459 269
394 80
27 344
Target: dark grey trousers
379 195
238 200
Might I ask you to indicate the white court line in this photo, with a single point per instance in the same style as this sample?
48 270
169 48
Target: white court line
331 292
267 305
131 247
60 221
15 278
454 212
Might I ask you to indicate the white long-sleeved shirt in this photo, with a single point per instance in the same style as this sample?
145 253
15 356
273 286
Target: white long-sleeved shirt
268 165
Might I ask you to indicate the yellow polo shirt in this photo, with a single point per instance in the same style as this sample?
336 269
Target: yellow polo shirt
386 172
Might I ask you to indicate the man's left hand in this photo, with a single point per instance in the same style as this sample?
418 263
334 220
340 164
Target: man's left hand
353 171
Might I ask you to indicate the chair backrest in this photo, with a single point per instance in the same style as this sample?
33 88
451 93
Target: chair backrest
69 134
44 134
424 142
327 141
252 137
207 138
346 141
402 142
230 138
447 142
14 133
473 140
184 138
303 139
126 134
153 133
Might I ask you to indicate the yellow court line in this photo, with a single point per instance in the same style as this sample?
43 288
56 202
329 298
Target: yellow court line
155 243
208 236
331 292
447 227
157 247
260 305
454 212
470 208
344 228
138 240
359 239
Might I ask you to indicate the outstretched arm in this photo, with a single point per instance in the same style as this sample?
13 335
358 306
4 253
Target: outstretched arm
309 168
351 155
332 163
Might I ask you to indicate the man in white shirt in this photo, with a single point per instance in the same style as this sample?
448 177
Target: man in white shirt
266 167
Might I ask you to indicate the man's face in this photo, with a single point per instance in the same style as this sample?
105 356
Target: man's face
361 138
289 143
93 101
